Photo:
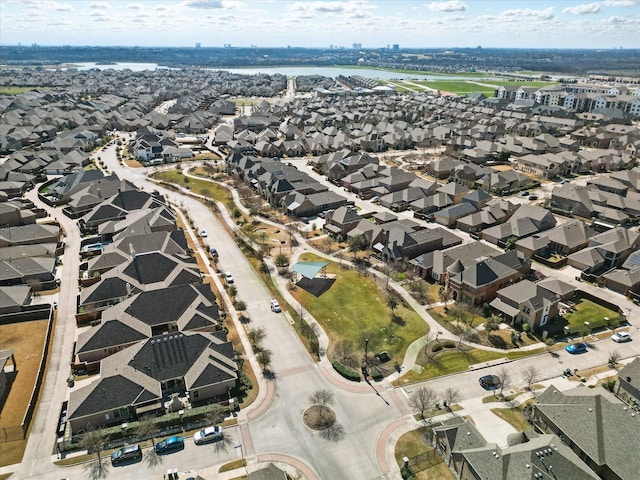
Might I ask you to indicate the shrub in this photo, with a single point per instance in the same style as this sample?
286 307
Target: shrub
437 347
448 344
346 372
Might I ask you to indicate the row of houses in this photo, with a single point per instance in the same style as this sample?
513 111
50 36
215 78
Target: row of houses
154 332
578 98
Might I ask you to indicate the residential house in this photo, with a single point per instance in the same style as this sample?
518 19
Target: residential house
628 383
527 456
135 381
143 272
526 302
563 239
477 281
526 221
595 425
341 221
606 250
149 313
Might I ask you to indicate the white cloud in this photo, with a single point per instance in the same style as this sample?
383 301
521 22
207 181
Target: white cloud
99 5
204 4
451 6
454 18
545 14
621 3
354 9
134 6
584 9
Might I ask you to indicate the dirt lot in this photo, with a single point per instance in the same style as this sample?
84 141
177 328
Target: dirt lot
27 341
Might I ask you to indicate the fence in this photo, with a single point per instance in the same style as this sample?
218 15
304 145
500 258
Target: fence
28 414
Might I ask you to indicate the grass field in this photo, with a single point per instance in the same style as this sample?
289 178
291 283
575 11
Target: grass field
514 416
410 445
458 87
355 308
27 341
588 311
457 361
14 90
201 187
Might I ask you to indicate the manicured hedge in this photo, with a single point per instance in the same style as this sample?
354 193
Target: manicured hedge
346 372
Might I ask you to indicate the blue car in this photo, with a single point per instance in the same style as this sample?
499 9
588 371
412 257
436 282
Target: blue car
169 445
576 348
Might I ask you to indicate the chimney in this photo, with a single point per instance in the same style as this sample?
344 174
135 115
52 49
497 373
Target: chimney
132 252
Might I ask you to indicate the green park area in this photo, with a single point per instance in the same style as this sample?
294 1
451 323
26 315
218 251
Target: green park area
487 86
201 187
11 90
353 307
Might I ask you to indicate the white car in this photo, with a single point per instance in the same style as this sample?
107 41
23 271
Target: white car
203 233
228 277
275 306
621 337
208 434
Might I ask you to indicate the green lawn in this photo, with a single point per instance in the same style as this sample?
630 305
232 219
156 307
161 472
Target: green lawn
513 416
412 446
588 311
9 90
355 308
454 86
201 187
445 362
416 72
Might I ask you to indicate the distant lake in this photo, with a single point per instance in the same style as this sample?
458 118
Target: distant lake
332 72
136 67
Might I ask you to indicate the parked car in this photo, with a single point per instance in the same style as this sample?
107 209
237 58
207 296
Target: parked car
208 434
490 382
128 454
228 277
275 306
203 233
576 348
375 199
533 197
524 194
621 337
213 252
170 445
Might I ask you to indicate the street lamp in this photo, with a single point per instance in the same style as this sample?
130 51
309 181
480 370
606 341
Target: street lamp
586 329
366 350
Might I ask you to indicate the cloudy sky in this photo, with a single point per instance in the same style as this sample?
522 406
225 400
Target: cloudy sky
316 23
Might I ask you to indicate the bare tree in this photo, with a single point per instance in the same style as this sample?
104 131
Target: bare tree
264 359
322 398
93 441
422 400
451 396
147 428
530 374
214 414
344 353
428 338
282 263
466 333
614 356
503 378
256 336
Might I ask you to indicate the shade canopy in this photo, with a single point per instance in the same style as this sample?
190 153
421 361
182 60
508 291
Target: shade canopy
308 269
